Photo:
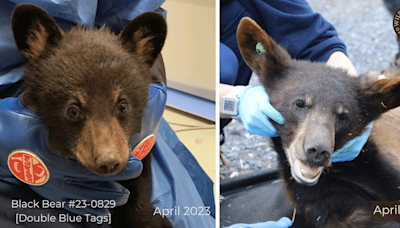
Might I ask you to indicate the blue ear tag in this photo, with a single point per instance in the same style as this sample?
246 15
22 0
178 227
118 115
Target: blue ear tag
259 48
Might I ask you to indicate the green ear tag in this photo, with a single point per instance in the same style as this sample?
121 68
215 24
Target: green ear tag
259 48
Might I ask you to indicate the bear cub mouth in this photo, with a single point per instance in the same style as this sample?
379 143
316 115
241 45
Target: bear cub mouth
307 174
303 173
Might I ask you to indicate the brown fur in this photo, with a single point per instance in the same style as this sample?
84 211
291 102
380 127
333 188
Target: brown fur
248 36
324 107
385 134
100 137
91 89
142 43
37 41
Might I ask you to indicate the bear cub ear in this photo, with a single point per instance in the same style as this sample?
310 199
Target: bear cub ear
34 30
382 95
145 36
261 53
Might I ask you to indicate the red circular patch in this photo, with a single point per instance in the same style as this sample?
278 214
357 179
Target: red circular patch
143 148
28 167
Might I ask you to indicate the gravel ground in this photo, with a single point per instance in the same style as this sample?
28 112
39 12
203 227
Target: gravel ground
366 27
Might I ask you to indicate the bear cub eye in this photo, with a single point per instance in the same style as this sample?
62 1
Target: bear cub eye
299 104
123 107
343 118
73 112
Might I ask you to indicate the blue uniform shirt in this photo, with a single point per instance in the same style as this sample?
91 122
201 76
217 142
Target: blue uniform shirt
292 24
115 14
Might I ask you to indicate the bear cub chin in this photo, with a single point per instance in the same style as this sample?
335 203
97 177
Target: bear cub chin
91 86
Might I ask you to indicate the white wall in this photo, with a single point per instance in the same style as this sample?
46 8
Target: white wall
189 51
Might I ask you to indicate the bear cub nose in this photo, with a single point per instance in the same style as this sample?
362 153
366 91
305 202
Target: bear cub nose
318 152
108 162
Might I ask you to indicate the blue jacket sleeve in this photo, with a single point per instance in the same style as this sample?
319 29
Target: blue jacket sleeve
305 34
11 69
293 24
115 14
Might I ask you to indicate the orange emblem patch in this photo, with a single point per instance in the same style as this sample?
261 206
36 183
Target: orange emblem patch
144 147
28 167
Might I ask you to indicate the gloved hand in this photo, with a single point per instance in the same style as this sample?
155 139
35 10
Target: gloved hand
352 148
284 222
255 112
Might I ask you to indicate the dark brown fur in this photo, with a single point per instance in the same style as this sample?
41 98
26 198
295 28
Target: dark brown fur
91 87
325 104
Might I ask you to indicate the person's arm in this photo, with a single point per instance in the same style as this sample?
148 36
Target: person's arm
308 36
223 91
340 60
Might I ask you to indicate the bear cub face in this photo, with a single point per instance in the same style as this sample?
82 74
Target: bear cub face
89 85
323 107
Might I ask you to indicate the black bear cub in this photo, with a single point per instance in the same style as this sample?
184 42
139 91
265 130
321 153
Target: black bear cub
91 86
324 108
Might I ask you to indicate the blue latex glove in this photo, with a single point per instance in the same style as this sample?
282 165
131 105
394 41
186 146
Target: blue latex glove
255 112
353 147
284 222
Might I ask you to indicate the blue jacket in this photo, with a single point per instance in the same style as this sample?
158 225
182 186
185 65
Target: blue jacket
116 14
292 24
